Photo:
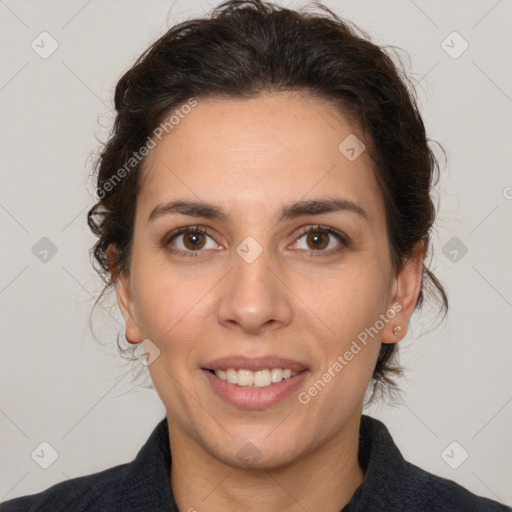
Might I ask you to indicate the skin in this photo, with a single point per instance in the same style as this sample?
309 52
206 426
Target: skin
251 157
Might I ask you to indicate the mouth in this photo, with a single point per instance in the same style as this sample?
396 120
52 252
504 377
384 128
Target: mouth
254 383
254 379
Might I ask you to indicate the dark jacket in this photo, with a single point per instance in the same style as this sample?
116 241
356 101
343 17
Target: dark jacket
143 485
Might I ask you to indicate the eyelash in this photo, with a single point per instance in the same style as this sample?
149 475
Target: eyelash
341 237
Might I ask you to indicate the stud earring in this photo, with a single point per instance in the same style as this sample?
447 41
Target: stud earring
397 329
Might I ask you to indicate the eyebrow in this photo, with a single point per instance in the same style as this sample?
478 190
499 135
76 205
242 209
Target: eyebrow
289 211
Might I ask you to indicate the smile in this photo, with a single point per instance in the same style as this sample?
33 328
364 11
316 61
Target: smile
255 379
252 396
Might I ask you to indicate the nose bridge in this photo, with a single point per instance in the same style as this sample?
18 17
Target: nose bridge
253 295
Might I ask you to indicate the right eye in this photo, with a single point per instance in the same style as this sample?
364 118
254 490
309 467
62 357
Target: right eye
190 241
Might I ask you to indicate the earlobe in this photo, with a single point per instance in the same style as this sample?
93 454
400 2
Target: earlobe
125 300
406 289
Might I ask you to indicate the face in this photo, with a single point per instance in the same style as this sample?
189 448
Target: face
245 292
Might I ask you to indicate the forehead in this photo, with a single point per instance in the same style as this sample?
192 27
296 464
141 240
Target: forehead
259 153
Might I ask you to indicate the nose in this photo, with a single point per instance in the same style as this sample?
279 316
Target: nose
254 297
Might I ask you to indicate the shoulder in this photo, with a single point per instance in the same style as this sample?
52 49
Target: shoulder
426 491
96 491
142 485
393 483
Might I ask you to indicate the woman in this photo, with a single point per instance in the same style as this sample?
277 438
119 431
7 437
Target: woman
264 215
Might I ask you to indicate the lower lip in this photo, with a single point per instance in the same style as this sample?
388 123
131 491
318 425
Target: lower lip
255 398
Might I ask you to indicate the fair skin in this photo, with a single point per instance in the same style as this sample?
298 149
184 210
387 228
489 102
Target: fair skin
295 300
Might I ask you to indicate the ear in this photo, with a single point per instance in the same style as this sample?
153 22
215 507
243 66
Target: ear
405 290
125 300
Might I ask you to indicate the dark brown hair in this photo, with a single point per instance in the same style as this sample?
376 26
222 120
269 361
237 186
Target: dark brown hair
246 48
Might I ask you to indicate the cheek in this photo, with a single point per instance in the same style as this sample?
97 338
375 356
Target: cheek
348 300
168 305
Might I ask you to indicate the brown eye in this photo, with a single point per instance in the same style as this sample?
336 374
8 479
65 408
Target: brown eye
189 241
317 240
193 240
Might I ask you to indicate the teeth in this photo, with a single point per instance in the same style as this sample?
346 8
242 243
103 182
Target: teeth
231 376
276 375
245 378
262 378
257 379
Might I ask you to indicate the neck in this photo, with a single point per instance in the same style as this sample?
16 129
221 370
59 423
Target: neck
323 480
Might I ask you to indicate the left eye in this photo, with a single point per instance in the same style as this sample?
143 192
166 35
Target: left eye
318 238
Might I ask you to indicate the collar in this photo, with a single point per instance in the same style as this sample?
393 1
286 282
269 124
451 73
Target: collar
390 482
147 483
382 464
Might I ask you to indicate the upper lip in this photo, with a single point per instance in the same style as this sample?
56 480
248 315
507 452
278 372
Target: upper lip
255 363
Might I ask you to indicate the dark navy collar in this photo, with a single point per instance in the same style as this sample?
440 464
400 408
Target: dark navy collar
144 485
390 482
147 486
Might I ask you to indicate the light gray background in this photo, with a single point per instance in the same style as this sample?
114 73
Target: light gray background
60 385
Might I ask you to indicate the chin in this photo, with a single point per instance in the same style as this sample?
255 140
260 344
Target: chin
256 447
256 457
